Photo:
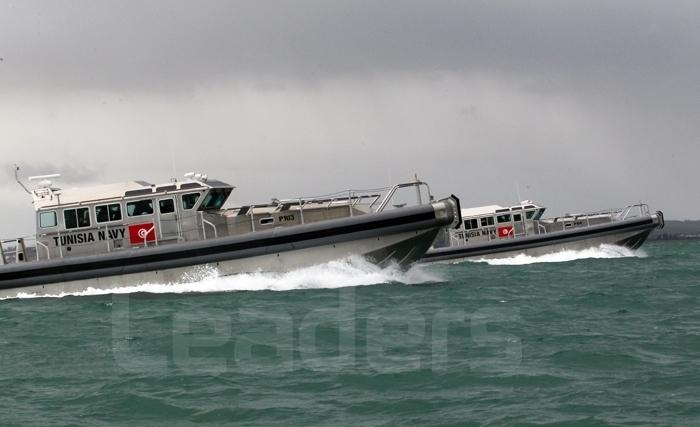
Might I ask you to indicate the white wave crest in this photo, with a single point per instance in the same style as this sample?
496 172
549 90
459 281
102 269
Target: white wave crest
601 252
354 271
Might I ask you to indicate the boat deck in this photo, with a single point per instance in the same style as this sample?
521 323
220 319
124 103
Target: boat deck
172 214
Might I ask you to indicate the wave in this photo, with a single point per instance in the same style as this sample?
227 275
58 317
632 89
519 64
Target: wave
603 251
353 271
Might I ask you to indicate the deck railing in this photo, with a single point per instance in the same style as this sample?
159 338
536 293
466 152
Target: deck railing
377 199
19 250
11 250
373 200
640 210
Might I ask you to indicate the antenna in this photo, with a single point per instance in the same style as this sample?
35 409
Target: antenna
20 182
44 177
419 199
172 160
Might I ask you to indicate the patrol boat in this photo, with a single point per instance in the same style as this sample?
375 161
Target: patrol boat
495 231
108 236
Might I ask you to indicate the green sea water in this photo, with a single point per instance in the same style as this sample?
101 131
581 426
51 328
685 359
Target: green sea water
600 337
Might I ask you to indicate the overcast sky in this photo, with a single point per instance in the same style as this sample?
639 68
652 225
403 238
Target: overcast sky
582 105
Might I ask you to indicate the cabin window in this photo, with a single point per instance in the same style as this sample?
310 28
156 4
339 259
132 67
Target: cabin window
517 217
108 213
215 199
189 200
266 221
502 218
166 206
486 221
139 207
76 218
115 212
471 224
529 214
48 219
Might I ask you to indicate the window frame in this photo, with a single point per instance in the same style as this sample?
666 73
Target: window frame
55 219
269 220
504 218
153 209
225 192
194 205
77 220
109 218
171 199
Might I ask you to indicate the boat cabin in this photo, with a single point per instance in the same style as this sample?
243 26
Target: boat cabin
105 218
111 217
491 222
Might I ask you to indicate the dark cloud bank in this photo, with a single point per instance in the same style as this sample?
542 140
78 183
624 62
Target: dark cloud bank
583 105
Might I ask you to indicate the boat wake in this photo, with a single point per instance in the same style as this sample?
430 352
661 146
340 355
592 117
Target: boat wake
601 252
354 271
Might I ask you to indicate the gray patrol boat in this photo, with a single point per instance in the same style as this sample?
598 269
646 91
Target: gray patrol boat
489 232
130 233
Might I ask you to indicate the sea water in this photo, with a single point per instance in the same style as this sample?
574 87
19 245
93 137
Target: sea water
605 336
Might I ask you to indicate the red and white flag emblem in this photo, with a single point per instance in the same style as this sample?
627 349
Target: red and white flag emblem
505 231
140 233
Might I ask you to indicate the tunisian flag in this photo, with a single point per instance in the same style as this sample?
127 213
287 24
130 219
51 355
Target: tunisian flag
138 233
504 232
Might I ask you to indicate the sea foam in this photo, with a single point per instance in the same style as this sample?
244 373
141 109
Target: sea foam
601 252
353 271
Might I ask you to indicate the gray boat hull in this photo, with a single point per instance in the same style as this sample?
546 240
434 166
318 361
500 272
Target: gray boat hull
630 233
400 236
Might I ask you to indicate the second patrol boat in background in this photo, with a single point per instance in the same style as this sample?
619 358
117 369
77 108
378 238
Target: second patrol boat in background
494 231
136 232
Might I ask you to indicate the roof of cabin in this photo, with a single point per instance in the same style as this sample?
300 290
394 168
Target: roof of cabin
481 210
97 192
44 197
491 209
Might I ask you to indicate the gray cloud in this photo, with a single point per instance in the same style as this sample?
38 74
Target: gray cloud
584 105
130 44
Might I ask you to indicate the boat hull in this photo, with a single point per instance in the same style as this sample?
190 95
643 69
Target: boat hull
401 236
629 233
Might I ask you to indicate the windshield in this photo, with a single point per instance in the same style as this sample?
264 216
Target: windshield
215 199
539 214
